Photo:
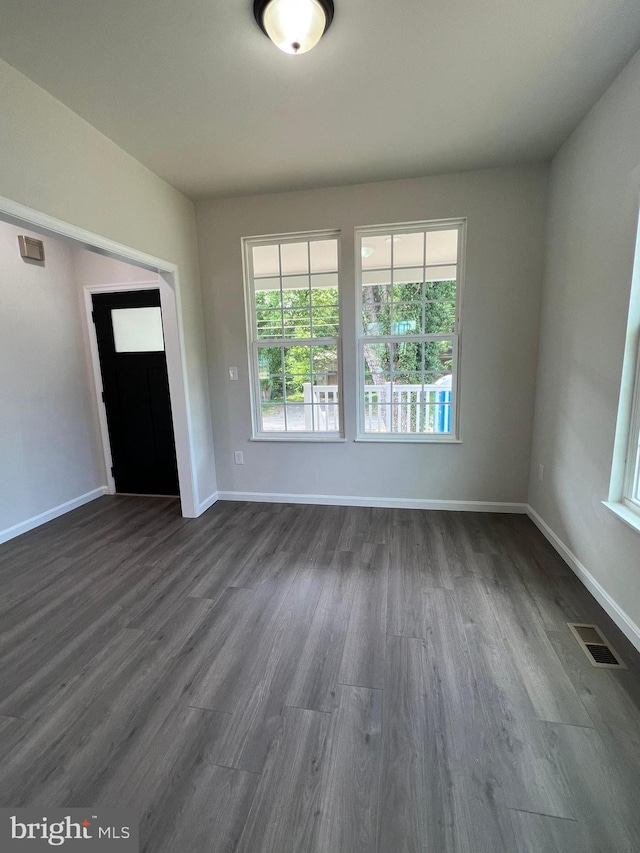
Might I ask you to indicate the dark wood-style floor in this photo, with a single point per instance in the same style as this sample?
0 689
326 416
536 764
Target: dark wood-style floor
271 679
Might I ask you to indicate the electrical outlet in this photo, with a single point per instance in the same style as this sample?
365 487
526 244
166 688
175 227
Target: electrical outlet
541 472
238 457
233 374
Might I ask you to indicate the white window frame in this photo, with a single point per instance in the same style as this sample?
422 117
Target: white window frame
459 224
258 434
631 488
624 488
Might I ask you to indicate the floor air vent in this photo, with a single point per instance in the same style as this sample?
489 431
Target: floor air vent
596 647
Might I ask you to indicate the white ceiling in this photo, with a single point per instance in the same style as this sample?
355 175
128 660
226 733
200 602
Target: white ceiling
193 89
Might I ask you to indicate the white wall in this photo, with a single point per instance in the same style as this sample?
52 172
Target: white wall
56 163
593 214
93 269
505 210
49 447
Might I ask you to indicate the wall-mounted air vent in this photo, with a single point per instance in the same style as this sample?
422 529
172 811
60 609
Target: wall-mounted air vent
596 647
31 249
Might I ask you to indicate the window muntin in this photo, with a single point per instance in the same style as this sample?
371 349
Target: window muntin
409 305
294 321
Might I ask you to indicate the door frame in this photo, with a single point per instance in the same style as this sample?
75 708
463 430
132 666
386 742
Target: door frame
168 283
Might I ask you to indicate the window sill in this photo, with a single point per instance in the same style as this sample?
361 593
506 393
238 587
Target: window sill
337 439
402 439
631 518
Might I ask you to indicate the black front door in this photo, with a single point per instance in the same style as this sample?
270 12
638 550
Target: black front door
136 391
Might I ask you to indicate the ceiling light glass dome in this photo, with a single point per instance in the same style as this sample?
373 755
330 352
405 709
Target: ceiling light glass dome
295 26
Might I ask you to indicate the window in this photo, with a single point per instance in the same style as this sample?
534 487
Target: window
632 473
409 336
624 487
294 328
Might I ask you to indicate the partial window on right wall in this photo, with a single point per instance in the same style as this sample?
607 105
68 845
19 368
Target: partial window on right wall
631 493
624 490
409 293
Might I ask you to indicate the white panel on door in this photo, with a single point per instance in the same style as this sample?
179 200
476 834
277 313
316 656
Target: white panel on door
137 329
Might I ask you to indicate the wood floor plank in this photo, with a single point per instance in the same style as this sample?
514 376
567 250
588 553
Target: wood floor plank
315 676
449 525
122 697
183 801
241 662
10 730
536 833
284 811
38 769
416 802
525 765
480 819
550 689
374 523
227 561
409 579
605 794
363 659
311 530
266 568
138 779
258 714
612 700
475 533
437 547
157 602
51 657
205 810
72 595
29 581
351 536
352 765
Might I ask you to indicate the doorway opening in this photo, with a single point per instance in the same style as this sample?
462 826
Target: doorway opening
147 273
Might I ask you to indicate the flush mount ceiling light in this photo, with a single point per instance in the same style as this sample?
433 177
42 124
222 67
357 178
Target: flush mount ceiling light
295 26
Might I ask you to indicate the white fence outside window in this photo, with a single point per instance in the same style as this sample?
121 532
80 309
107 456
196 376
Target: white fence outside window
387 408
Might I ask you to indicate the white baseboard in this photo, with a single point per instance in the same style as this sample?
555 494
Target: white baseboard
391 503
208 502
622 619
50 514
